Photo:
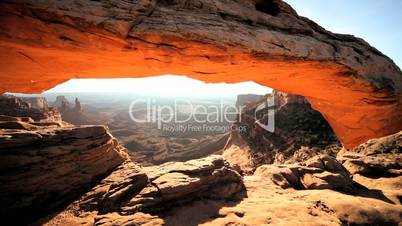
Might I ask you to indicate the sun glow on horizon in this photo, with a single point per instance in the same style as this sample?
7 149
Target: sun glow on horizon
165 85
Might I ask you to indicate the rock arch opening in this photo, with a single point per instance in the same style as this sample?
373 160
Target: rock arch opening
158 119
175 118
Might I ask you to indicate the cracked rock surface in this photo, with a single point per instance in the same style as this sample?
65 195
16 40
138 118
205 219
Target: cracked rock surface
131 194
376 163
319 191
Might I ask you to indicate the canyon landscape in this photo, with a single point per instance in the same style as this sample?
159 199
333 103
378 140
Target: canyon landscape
324 147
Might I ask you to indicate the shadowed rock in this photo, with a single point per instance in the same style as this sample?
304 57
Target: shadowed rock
300 132
45 165
203 192
375 158
130 193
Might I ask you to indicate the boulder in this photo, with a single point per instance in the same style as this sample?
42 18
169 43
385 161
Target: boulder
179 182
375 158
320 172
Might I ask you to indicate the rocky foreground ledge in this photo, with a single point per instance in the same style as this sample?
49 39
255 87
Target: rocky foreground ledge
82 176
45 164
130 196
318 191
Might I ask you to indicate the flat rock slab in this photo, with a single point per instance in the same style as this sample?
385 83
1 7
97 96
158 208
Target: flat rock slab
130 191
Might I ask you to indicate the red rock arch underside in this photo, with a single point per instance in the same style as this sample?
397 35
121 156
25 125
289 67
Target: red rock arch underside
357 89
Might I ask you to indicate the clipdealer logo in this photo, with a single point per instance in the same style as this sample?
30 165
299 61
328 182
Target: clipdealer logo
147 110
269 106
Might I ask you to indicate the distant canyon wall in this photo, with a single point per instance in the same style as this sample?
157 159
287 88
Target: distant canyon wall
35 108
300 132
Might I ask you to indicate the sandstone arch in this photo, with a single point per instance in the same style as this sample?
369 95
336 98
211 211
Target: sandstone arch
357 88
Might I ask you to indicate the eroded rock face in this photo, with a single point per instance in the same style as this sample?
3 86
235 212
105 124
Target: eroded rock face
376 163
14 106
244 99
355 87
209 177
36 102
300 133
320 172
74 113
130 194
318 191
61 101
377 157
44 165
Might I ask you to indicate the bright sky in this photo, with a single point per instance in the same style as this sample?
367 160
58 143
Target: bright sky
167 85
379 22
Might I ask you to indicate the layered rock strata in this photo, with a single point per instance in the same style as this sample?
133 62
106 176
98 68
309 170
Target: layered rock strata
300 132
36 102
15 106
381 157
43 165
